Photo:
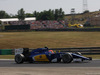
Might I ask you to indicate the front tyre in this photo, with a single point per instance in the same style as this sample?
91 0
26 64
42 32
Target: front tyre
90 58
67 58
19 58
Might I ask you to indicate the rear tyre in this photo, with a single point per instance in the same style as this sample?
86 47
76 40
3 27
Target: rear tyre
67 58
19 58
58 60
30 60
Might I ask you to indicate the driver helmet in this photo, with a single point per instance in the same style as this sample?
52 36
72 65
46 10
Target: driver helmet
51 51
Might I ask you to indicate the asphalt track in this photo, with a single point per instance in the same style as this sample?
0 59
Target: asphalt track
11 63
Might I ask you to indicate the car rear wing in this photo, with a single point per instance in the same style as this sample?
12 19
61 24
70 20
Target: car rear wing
19 51
22 51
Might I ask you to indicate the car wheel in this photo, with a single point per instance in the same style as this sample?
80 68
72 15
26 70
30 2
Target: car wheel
58 60
67 58
19 58
30 60
90 58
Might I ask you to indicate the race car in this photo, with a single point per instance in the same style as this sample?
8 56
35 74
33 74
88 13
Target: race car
46 55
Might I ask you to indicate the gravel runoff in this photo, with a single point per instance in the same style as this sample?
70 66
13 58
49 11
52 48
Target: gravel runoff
49 71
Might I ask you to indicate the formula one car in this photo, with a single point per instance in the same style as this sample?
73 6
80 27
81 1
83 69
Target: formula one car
46 55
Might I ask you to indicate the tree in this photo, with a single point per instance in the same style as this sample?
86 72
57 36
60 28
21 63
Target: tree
60 14
21 14
57 14
51 14
47 15
3 14
35 14
87 11
29 15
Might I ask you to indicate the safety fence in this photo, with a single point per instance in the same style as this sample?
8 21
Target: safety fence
69 29
83 50
27 28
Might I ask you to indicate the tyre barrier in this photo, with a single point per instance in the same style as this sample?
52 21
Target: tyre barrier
6 52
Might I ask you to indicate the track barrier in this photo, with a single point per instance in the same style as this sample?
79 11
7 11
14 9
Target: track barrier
83 50
6 51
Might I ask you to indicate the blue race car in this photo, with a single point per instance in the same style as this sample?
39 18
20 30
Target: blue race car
46 55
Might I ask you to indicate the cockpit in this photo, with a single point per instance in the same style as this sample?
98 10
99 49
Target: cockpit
51 51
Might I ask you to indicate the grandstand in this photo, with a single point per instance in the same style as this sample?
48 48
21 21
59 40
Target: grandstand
33 23
47 24
92 19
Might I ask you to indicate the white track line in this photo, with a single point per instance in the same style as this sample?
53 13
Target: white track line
6 59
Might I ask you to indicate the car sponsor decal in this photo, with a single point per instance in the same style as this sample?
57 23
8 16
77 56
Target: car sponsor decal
42 57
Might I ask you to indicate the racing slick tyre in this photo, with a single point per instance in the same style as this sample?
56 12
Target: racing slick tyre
19 58
90 58
58 60
67 58
30 60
